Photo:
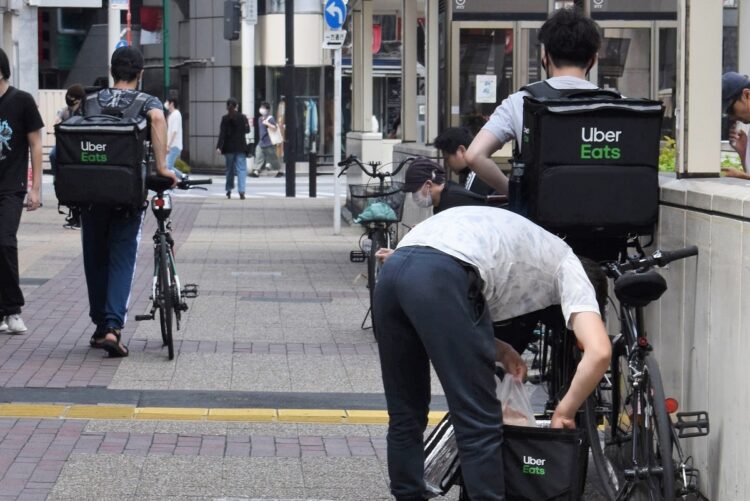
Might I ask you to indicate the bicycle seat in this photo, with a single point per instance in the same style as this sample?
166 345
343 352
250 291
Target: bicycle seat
158 183
639 289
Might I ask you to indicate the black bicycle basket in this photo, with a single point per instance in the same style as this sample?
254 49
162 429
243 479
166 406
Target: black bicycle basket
362 198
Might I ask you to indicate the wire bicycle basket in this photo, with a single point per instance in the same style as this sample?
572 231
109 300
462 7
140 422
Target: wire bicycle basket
366 200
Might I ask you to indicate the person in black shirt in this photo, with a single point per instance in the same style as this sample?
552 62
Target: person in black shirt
234 125
20 131
452 143
426 181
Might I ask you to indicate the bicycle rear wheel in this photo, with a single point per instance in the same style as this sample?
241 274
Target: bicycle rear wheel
620 412
379 241
164 290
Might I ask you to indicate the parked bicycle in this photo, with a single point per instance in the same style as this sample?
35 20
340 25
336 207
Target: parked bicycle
635 443
167 294
378 207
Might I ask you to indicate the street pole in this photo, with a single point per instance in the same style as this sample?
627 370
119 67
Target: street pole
165 44
113 35
336 141
290 119
248 73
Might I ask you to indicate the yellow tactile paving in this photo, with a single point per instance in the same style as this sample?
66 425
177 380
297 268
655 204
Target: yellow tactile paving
100 412
312 415
242 414
31 410
367 417
171 413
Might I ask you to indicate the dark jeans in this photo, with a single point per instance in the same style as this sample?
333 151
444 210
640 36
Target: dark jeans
428 308
110 246
11 297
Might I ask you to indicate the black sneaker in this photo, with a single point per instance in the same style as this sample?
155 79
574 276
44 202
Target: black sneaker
254 174
279 174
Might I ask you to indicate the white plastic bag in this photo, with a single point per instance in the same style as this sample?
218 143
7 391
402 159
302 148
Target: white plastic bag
517 409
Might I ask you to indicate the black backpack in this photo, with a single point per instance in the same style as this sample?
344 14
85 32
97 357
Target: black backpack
101 156
589 164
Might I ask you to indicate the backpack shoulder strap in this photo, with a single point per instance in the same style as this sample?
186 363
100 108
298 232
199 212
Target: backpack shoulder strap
136 107
91 105
543 89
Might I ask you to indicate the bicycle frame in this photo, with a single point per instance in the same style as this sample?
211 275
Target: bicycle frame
161 206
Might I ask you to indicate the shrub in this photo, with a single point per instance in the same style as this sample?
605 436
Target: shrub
667 155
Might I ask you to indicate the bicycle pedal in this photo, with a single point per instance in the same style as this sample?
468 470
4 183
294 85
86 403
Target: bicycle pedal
357 256
190 291
692 424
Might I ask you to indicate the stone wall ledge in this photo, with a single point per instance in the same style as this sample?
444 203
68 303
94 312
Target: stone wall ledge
718 196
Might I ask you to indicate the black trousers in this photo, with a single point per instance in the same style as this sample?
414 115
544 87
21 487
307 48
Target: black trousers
11 297
428 308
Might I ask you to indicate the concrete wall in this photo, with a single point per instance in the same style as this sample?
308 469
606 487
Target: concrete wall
700 326
19 37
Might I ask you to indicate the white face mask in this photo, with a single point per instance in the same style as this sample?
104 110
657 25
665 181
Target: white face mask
263 111
423 201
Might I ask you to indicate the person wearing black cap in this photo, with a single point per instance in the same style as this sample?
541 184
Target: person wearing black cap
735 102
111 236
427 183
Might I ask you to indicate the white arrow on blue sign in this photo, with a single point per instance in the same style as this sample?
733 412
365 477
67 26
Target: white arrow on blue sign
121 43
335 13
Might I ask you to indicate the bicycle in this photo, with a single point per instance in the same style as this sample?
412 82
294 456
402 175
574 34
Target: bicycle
167 294
635 444
379 207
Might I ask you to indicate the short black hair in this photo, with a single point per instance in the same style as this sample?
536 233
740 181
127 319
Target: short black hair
570 38
174 101
4 65
232 103
451 138
598 279
126 64
265 104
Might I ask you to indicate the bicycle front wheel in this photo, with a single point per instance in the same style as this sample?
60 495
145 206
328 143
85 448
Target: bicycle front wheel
164 290
629 430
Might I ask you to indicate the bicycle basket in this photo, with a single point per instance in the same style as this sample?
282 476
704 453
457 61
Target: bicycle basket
362 196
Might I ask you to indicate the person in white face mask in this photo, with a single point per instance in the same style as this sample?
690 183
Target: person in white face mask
426 181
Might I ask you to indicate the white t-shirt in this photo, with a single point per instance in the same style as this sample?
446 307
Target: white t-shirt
174 124
524 267
506 121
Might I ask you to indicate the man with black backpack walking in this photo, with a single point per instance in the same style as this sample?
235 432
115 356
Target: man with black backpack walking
20 132
570 46
111 234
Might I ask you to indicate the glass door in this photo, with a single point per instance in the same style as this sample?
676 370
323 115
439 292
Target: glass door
625 58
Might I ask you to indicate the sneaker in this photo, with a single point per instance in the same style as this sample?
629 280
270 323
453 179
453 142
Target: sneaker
279 174
15 324
242 196
254 174
229 195
3 324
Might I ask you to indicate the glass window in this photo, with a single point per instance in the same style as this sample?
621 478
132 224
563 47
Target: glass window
625 61
531 57
485 73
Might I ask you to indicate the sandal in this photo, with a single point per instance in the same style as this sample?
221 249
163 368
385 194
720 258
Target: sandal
115 349
97 339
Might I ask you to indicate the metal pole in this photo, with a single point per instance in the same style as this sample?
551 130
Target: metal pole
336 141
248 74
290 120
113 35
165 43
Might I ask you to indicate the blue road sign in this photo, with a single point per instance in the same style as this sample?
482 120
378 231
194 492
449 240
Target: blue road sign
121 43
335 13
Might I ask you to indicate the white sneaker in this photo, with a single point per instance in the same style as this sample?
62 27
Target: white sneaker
3 324
15 324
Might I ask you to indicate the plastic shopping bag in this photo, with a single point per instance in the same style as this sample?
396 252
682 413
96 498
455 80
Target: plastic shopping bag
517 409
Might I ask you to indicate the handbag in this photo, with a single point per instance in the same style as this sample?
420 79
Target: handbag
275 135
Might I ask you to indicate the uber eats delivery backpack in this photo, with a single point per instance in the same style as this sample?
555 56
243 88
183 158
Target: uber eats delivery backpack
589 162
101 156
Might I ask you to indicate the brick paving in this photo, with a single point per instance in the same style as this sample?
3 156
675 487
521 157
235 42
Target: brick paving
192 346
33 452
55 353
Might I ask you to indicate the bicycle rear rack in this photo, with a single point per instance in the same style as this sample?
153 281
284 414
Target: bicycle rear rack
357 256
692 424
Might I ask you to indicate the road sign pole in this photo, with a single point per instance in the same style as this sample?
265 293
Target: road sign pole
336 141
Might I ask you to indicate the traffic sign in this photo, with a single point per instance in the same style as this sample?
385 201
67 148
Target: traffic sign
121 43
334 39
119 4
335 13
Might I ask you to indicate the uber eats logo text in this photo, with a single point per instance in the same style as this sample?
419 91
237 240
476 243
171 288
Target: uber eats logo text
93 152
592 147
533 466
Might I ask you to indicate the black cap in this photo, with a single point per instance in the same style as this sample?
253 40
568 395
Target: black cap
127 57
421 170
732 84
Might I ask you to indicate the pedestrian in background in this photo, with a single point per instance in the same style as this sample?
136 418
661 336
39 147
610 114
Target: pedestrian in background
20 132
73 98
232 145
265 152
735 100
174 135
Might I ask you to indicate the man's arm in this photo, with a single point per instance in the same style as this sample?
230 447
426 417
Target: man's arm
479 158
159 143
597 353
35 146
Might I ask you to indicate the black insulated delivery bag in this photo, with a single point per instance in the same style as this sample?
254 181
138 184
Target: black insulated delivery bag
590 164
101 156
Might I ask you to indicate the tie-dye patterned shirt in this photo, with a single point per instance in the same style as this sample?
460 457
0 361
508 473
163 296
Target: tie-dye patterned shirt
524 267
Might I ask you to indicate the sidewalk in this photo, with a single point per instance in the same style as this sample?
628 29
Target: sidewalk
276 326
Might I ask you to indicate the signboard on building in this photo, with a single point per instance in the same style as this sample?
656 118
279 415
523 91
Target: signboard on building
486 89
80 4
251 11
633 6
499 8
119 4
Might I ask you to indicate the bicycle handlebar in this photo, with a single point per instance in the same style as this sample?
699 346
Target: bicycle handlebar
373 171
659 258
186 184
